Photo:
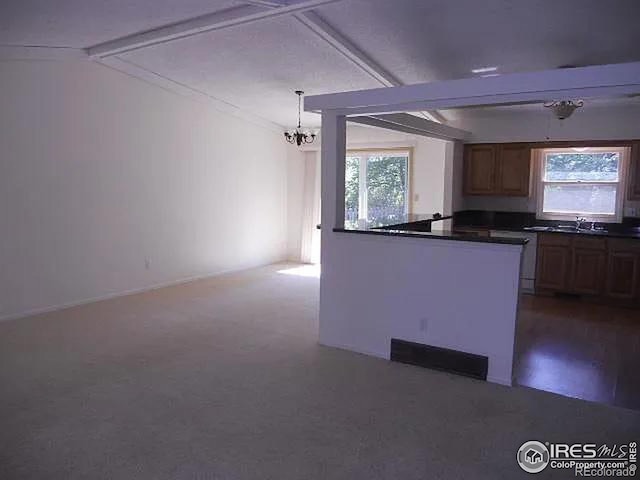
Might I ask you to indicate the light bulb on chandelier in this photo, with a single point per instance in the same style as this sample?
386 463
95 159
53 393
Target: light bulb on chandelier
299 136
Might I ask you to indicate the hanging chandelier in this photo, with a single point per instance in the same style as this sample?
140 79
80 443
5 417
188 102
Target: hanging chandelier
298 135
563 108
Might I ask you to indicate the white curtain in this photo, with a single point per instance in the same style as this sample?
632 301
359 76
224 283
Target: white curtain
310 244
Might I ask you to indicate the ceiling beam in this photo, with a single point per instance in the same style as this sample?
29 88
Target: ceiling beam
348 49
215 21
403 122
16 52
268 3
533 87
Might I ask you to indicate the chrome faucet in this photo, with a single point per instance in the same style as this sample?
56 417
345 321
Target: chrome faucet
579 221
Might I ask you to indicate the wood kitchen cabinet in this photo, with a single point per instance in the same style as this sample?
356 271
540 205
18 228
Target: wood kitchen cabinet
596 267
513 170
588 262
552 267
623 270
492 169
634 172
553 260
480 167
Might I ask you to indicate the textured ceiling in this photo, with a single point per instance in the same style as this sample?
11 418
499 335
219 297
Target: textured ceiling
257 66
444 39
83 23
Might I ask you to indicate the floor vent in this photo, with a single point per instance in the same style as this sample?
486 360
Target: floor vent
453 361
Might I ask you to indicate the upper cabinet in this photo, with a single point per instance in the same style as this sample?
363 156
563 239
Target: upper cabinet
480 168
492 169
514 167
634 172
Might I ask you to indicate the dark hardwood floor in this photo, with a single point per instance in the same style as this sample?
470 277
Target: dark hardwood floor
578 349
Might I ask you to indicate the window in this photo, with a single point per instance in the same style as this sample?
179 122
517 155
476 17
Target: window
376 185
585 182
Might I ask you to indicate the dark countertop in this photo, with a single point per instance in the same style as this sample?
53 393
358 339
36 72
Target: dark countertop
420 226
526 221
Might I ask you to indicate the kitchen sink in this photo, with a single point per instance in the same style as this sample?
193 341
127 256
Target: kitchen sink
564 228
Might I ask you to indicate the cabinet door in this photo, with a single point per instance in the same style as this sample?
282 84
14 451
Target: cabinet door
552 267
513 170
634 172
587 271
622 274
480 170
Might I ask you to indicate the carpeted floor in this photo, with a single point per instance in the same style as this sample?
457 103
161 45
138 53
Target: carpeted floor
223 379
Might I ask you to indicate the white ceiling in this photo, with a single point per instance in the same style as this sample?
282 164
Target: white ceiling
257 66
82 23
445 39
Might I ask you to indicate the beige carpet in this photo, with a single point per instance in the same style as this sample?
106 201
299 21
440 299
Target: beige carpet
223 379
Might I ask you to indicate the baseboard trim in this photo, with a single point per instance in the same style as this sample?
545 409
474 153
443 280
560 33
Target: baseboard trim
125 293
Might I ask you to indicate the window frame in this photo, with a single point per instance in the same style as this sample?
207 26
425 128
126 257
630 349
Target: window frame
365 153
616 217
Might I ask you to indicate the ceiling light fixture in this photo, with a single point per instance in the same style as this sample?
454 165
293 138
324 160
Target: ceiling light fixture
298 135
563 108
484 69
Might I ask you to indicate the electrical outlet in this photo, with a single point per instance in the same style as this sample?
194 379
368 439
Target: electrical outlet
147 263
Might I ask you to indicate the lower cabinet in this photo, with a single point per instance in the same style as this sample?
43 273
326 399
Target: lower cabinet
587 271
596 267
552 267
623 272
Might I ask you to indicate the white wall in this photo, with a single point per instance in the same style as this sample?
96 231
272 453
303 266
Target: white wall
530 125
452 294
428 168
296 160
538 125
428 175
100 172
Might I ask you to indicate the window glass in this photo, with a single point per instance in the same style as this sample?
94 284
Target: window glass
580 199
587 167
386 186
352 189
376 186
581 182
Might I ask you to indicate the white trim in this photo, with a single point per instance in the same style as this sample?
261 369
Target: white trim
134 291
19 52
323 29
570 216
363 192
381 145
232 17
405 123
347 48
583 82
268 3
